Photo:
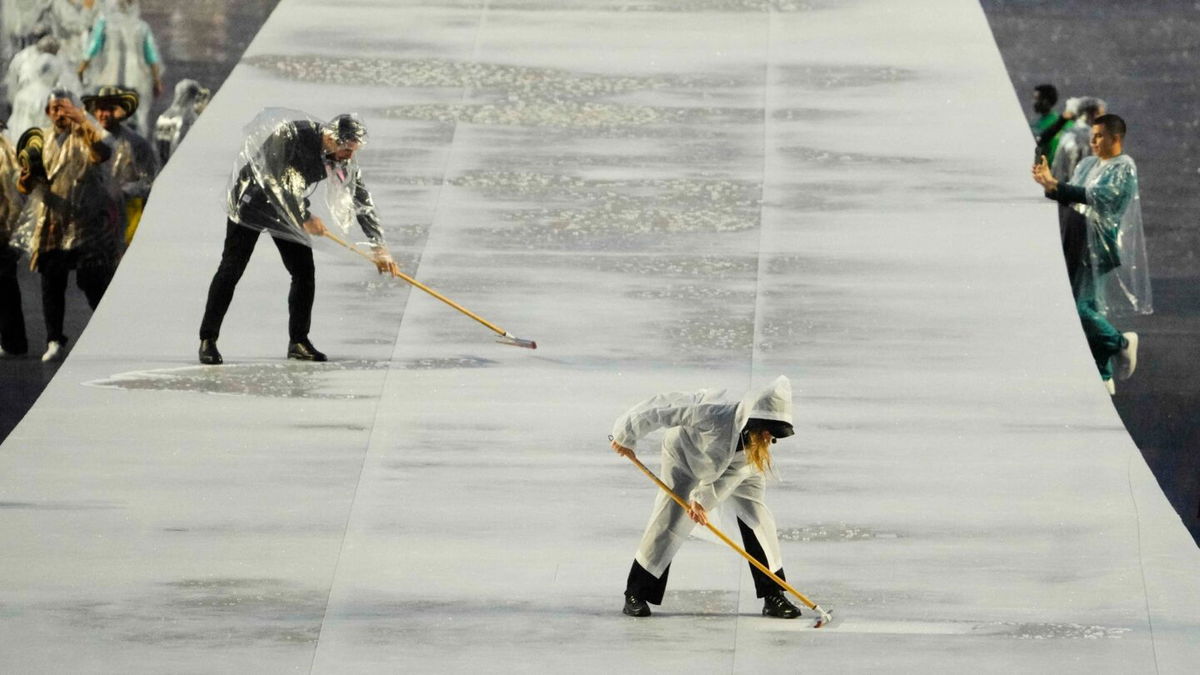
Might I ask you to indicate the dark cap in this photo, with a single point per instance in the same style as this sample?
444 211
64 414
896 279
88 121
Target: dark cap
347 129
776 428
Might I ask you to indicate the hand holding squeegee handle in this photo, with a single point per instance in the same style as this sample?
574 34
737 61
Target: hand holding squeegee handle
505 337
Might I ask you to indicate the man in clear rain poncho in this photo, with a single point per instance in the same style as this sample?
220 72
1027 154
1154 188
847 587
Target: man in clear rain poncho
122 51
134 164
1105 245
714 452
285 154
174 123
69 222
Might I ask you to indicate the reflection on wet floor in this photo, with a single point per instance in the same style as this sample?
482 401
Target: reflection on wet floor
833 532
660 266
272 380
513 83
293 379
215 611
1064 631
575 212
555 98
642 5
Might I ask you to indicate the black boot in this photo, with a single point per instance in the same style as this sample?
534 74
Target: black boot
778 606
635 607
209 355
304 350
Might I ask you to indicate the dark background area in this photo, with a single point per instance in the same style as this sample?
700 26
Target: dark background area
1139 56
1142 58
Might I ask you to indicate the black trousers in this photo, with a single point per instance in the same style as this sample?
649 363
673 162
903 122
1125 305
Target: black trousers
239 244
12 319
91 276
645 586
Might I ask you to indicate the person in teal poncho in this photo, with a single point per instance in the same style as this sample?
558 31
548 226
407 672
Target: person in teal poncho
1105 245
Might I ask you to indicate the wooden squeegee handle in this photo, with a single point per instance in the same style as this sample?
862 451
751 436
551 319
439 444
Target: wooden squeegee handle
420 285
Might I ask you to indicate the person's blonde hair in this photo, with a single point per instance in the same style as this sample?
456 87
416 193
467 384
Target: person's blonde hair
757 447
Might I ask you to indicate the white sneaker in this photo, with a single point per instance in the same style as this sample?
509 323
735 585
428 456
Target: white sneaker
1127 357
55 351
1111 386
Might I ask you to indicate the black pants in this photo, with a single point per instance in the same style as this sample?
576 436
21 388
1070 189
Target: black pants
91 276
645 586
239 244
12 320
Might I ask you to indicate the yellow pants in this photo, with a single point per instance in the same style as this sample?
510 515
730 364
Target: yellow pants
133 215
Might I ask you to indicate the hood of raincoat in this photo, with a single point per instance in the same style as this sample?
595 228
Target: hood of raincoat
772 403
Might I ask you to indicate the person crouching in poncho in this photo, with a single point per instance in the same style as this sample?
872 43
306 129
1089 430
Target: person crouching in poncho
713 452
285 154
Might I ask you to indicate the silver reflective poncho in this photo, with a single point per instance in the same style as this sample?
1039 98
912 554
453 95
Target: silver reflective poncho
282 159
133 164
174 123
1073 146
701 463
71 209
1116 243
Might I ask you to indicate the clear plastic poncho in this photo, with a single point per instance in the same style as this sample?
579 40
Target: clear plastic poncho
174 123
281 161
1116 243
122 51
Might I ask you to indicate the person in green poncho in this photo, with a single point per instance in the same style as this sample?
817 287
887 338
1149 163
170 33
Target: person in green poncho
1109 274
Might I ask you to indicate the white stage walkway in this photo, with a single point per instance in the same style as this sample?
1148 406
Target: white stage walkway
666 195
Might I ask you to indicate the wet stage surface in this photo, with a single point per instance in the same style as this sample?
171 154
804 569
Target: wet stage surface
666 196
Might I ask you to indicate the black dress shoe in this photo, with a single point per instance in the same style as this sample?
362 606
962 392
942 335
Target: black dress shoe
778 606
635 607
209 355
304 351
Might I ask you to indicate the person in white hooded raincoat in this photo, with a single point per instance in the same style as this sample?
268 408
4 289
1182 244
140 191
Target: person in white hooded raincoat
1105 246
714 452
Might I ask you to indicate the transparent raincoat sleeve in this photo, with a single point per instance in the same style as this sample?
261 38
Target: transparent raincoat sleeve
1116 240
660 412
349 201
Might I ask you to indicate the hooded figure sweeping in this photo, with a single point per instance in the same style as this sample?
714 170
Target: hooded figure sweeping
285 154
714 452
